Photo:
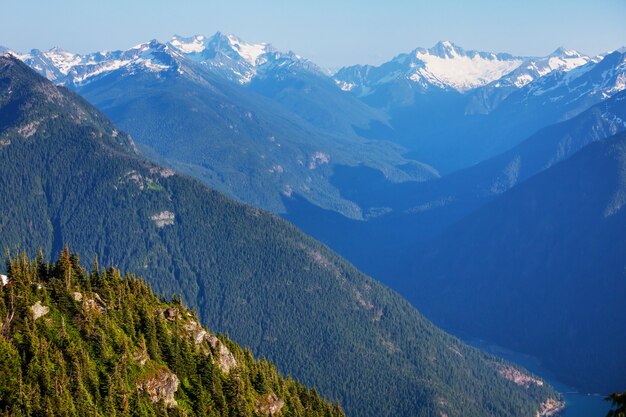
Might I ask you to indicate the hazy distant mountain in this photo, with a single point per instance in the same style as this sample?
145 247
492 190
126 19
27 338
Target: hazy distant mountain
236 59
68 175
404 216
183 112
562 94
444 66
541 269
453 120
487 98
296 83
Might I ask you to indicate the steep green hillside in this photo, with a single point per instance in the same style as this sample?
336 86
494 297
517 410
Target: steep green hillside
67 178
78 343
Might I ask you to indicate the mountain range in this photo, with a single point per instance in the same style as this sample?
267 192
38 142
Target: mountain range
212 123
400 166
422 101
451 123
72 177
541 268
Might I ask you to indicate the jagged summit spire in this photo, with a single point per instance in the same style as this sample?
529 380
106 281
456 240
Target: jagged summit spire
446 49
562 52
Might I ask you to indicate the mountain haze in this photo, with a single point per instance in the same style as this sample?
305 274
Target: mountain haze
539 268
281 129
71 177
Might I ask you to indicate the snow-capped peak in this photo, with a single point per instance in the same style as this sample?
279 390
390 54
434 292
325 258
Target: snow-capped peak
560 60
67 68
202 48
562 52
237 60
248 51
62 59
445 66
450 66
444 49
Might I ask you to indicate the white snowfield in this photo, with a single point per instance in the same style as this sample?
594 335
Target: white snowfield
189 45
248 51
459 69
67 68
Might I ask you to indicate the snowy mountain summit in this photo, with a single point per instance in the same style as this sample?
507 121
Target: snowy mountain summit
237 60
448 65
66 68
445 66
491 95
223 54
560 60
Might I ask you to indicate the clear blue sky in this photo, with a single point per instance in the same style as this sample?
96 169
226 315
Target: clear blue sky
329 32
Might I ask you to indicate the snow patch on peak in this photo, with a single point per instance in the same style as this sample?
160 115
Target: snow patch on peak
448 65
63 60
189 45
67 68
560 60
248 51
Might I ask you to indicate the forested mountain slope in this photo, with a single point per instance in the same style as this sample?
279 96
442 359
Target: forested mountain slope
79 343
541 269
67 176
411 214
282 133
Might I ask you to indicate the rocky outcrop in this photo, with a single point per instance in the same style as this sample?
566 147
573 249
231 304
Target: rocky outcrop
141 356
268 405
195 332
225 359
171 314
161 387
520 378
550 407
164 172
96 303
39 310
164 218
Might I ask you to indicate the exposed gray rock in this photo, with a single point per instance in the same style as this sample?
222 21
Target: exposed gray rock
141 356
95 303
164 218
39 310
226 360
195 332
269 405
213 341
161 387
